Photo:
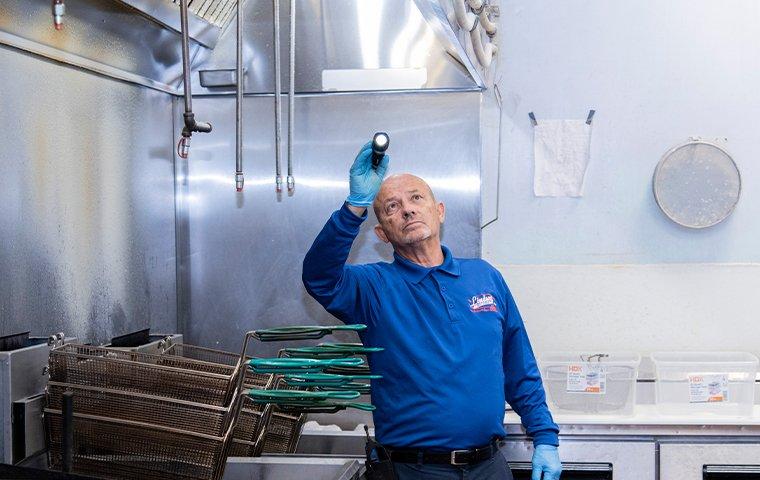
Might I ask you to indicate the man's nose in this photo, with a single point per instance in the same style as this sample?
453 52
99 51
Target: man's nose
409 212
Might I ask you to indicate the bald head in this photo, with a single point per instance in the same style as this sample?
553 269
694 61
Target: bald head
409 216
396 185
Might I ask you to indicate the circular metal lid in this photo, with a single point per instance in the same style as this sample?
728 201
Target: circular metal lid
697 184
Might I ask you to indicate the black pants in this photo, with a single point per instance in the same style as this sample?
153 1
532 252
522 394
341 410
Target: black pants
494 469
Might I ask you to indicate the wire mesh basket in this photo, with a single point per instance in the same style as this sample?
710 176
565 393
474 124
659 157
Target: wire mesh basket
137 407
282 432
160 375
280 435
119 449
218 357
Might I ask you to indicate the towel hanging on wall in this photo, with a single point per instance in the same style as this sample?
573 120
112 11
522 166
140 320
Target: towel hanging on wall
561 151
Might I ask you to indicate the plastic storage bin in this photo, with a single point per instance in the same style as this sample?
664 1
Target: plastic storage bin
589 383
711 383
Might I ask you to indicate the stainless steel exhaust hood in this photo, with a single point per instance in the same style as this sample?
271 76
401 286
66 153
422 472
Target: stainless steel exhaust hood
347 45
342 45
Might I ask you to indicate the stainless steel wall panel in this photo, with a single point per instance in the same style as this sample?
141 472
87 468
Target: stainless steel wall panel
343 34
108 37
86 205
242 253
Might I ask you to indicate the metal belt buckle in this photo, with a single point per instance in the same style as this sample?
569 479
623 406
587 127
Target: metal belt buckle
453 459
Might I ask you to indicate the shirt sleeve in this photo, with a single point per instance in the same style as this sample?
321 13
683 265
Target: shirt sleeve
327 278
522 380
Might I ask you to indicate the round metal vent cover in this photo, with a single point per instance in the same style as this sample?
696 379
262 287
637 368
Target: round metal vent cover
697 184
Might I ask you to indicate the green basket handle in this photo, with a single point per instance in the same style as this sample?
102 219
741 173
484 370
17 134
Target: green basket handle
325 407
363 388
303 332
325 379
299 365
329 350
278 397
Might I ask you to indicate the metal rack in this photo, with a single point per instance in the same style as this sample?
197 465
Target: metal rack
177 414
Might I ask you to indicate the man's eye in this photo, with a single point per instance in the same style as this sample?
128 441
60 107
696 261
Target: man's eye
417 196
391 207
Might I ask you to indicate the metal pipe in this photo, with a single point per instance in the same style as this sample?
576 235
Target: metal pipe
239 179
59 10
185 54
277 90
291 95
191 125
67 442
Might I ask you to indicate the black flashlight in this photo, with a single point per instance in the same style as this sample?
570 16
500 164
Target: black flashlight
380 143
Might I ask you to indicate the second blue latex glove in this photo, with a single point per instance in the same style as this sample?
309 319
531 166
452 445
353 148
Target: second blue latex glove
546 461
364 181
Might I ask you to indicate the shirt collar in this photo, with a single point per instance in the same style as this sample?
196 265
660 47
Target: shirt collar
416 273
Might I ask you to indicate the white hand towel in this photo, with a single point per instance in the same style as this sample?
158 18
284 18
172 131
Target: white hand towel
561 149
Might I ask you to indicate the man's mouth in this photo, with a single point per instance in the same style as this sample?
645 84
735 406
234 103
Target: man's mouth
410 224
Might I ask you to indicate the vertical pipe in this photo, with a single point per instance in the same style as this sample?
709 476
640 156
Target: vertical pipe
239 179
277 90
291 95
67 442
185 55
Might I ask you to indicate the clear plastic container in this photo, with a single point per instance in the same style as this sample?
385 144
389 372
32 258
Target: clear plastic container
705 383
590 383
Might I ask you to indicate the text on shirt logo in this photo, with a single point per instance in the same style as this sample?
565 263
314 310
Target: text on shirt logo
482 303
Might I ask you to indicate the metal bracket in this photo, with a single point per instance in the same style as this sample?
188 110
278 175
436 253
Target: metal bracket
590 116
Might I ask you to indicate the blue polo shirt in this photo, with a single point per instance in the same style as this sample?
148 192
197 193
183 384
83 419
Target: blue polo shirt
455 345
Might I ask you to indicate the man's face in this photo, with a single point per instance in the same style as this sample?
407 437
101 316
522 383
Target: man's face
407 211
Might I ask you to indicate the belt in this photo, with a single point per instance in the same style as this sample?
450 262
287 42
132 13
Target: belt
454 457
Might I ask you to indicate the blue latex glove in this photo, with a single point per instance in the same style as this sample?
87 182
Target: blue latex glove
546 461
364 180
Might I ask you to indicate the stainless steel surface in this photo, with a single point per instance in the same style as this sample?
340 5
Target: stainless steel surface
223 295
166 13
684 461
291 468
108 38
348 34
86 208
697 184
28 431
631 460
23 374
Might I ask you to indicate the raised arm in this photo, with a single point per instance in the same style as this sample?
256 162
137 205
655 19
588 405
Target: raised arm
327 278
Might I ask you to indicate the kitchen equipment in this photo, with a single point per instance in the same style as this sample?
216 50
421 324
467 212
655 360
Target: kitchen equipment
281 432
697 184
142 341
23 374
173 377
705 383
584 383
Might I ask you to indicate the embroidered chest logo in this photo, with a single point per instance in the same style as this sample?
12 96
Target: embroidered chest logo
482 303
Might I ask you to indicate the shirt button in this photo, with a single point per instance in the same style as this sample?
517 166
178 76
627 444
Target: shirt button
451 305
443 287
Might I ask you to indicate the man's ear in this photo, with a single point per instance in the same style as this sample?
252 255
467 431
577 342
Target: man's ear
441 212
381 233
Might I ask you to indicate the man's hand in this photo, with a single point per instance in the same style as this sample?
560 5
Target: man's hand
546 461
364 180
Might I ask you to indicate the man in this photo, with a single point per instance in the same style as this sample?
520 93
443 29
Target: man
455 345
